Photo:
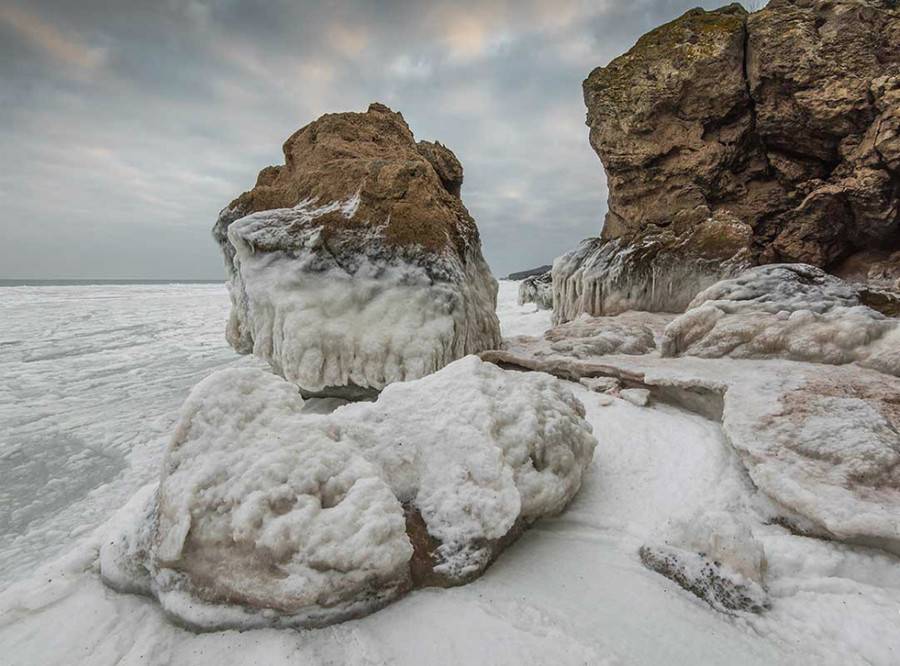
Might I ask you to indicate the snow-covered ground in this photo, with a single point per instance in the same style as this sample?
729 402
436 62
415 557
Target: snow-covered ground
91 381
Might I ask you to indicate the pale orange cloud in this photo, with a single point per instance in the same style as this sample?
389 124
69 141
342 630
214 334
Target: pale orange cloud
66 49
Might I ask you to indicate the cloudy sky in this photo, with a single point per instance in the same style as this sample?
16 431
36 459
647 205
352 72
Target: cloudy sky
126 126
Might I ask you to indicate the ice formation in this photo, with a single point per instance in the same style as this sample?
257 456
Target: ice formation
792 311
324 324
820 441
715 556
356 264
656 273
537 289
266 515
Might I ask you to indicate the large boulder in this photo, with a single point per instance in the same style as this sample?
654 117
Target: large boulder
356 264
750 118
537 289
268 515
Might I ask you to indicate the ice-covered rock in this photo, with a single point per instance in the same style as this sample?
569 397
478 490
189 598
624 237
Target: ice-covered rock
267 515
638 397
715 556
537 289
819 441
656 272
789 311
355 264
796 152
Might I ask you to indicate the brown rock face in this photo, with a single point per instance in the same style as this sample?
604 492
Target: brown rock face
787 119
411 192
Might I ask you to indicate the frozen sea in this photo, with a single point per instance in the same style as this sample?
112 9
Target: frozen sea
91 378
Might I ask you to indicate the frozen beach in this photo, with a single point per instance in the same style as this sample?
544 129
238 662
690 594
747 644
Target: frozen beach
92 381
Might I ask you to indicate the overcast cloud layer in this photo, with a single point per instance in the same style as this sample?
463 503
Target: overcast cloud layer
126 126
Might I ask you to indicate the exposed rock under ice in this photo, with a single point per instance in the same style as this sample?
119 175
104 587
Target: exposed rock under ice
266 515
789 311
715 556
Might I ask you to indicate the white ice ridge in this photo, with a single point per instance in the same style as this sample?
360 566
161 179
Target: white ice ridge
267 515
791 311
356 320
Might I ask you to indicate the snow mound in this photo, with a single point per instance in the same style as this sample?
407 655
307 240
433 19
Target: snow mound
266 515
791 311
324 324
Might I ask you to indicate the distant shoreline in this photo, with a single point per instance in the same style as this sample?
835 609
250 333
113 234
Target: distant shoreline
57 282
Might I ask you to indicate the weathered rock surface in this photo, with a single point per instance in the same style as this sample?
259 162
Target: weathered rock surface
784 121
537 289
270 515
355 264
792 311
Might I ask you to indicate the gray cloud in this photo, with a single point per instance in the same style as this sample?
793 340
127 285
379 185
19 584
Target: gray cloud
127 126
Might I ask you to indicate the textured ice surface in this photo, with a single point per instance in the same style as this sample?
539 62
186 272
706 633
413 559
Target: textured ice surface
286 517
571 591
602 277
789 311
322 323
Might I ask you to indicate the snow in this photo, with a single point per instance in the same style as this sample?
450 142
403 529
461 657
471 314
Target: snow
537 289
572 590
321 322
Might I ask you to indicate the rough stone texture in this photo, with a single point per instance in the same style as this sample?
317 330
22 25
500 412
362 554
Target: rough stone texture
785 120
705 578
537 289
355 263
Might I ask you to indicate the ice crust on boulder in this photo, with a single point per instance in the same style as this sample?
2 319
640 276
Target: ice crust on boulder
320 323
537 289
266 515
355 264
714 555
655 273
791 311
820 441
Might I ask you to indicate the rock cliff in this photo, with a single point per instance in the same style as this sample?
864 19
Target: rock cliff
784 122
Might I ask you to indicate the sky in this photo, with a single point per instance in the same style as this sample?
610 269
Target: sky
126 126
